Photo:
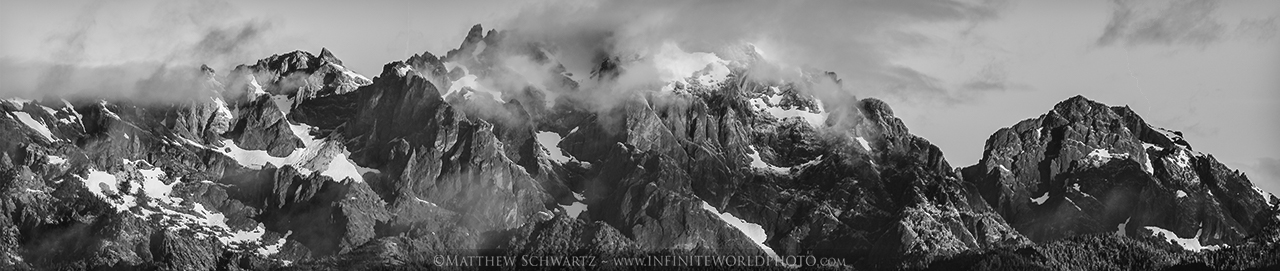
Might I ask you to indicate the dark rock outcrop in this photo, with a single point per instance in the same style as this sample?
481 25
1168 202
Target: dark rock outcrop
262 126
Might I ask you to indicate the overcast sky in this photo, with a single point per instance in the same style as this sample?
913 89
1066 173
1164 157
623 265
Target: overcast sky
954 71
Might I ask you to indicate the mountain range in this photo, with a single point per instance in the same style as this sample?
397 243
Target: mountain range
296 162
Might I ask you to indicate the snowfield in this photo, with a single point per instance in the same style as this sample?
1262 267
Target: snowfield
32 123
1191 244
752 230
551 142
159 206
326 156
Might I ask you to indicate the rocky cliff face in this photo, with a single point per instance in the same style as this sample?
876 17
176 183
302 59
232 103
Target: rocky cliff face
1085 167
295 162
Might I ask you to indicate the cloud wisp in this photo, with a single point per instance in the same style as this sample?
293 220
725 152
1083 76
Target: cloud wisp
1180 22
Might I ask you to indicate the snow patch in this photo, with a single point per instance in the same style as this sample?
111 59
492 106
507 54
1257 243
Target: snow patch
863 142
1146 164
469 82
255 90
758 163
775 95
1182 159
814 119
1101 156
551 142
432 204
1182 194
283 102
101 183
359 169
341 167
221 111
272 249
55 160
1191 244
1266 197
253 159
752 230
1073 203
152 184
351 74
1120 229
72 115
402 70
577 207
243 236
107 110
35 125
48 110
1041 199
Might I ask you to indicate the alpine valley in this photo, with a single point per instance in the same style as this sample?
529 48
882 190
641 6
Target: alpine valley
496 149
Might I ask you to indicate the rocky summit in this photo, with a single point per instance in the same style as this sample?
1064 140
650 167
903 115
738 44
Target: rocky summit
495 150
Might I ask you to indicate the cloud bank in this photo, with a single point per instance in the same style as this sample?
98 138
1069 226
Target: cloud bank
856 39
154 57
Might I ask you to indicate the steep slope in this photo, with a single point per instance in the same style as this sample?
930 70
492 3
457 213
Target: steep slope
149 185
715 164
1085 167
674 167
1086 178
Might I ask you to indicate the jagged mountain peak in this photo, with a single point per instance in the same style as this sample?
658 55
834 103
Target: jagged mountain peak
297 60
294 76
328 56
474 35
1081 109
